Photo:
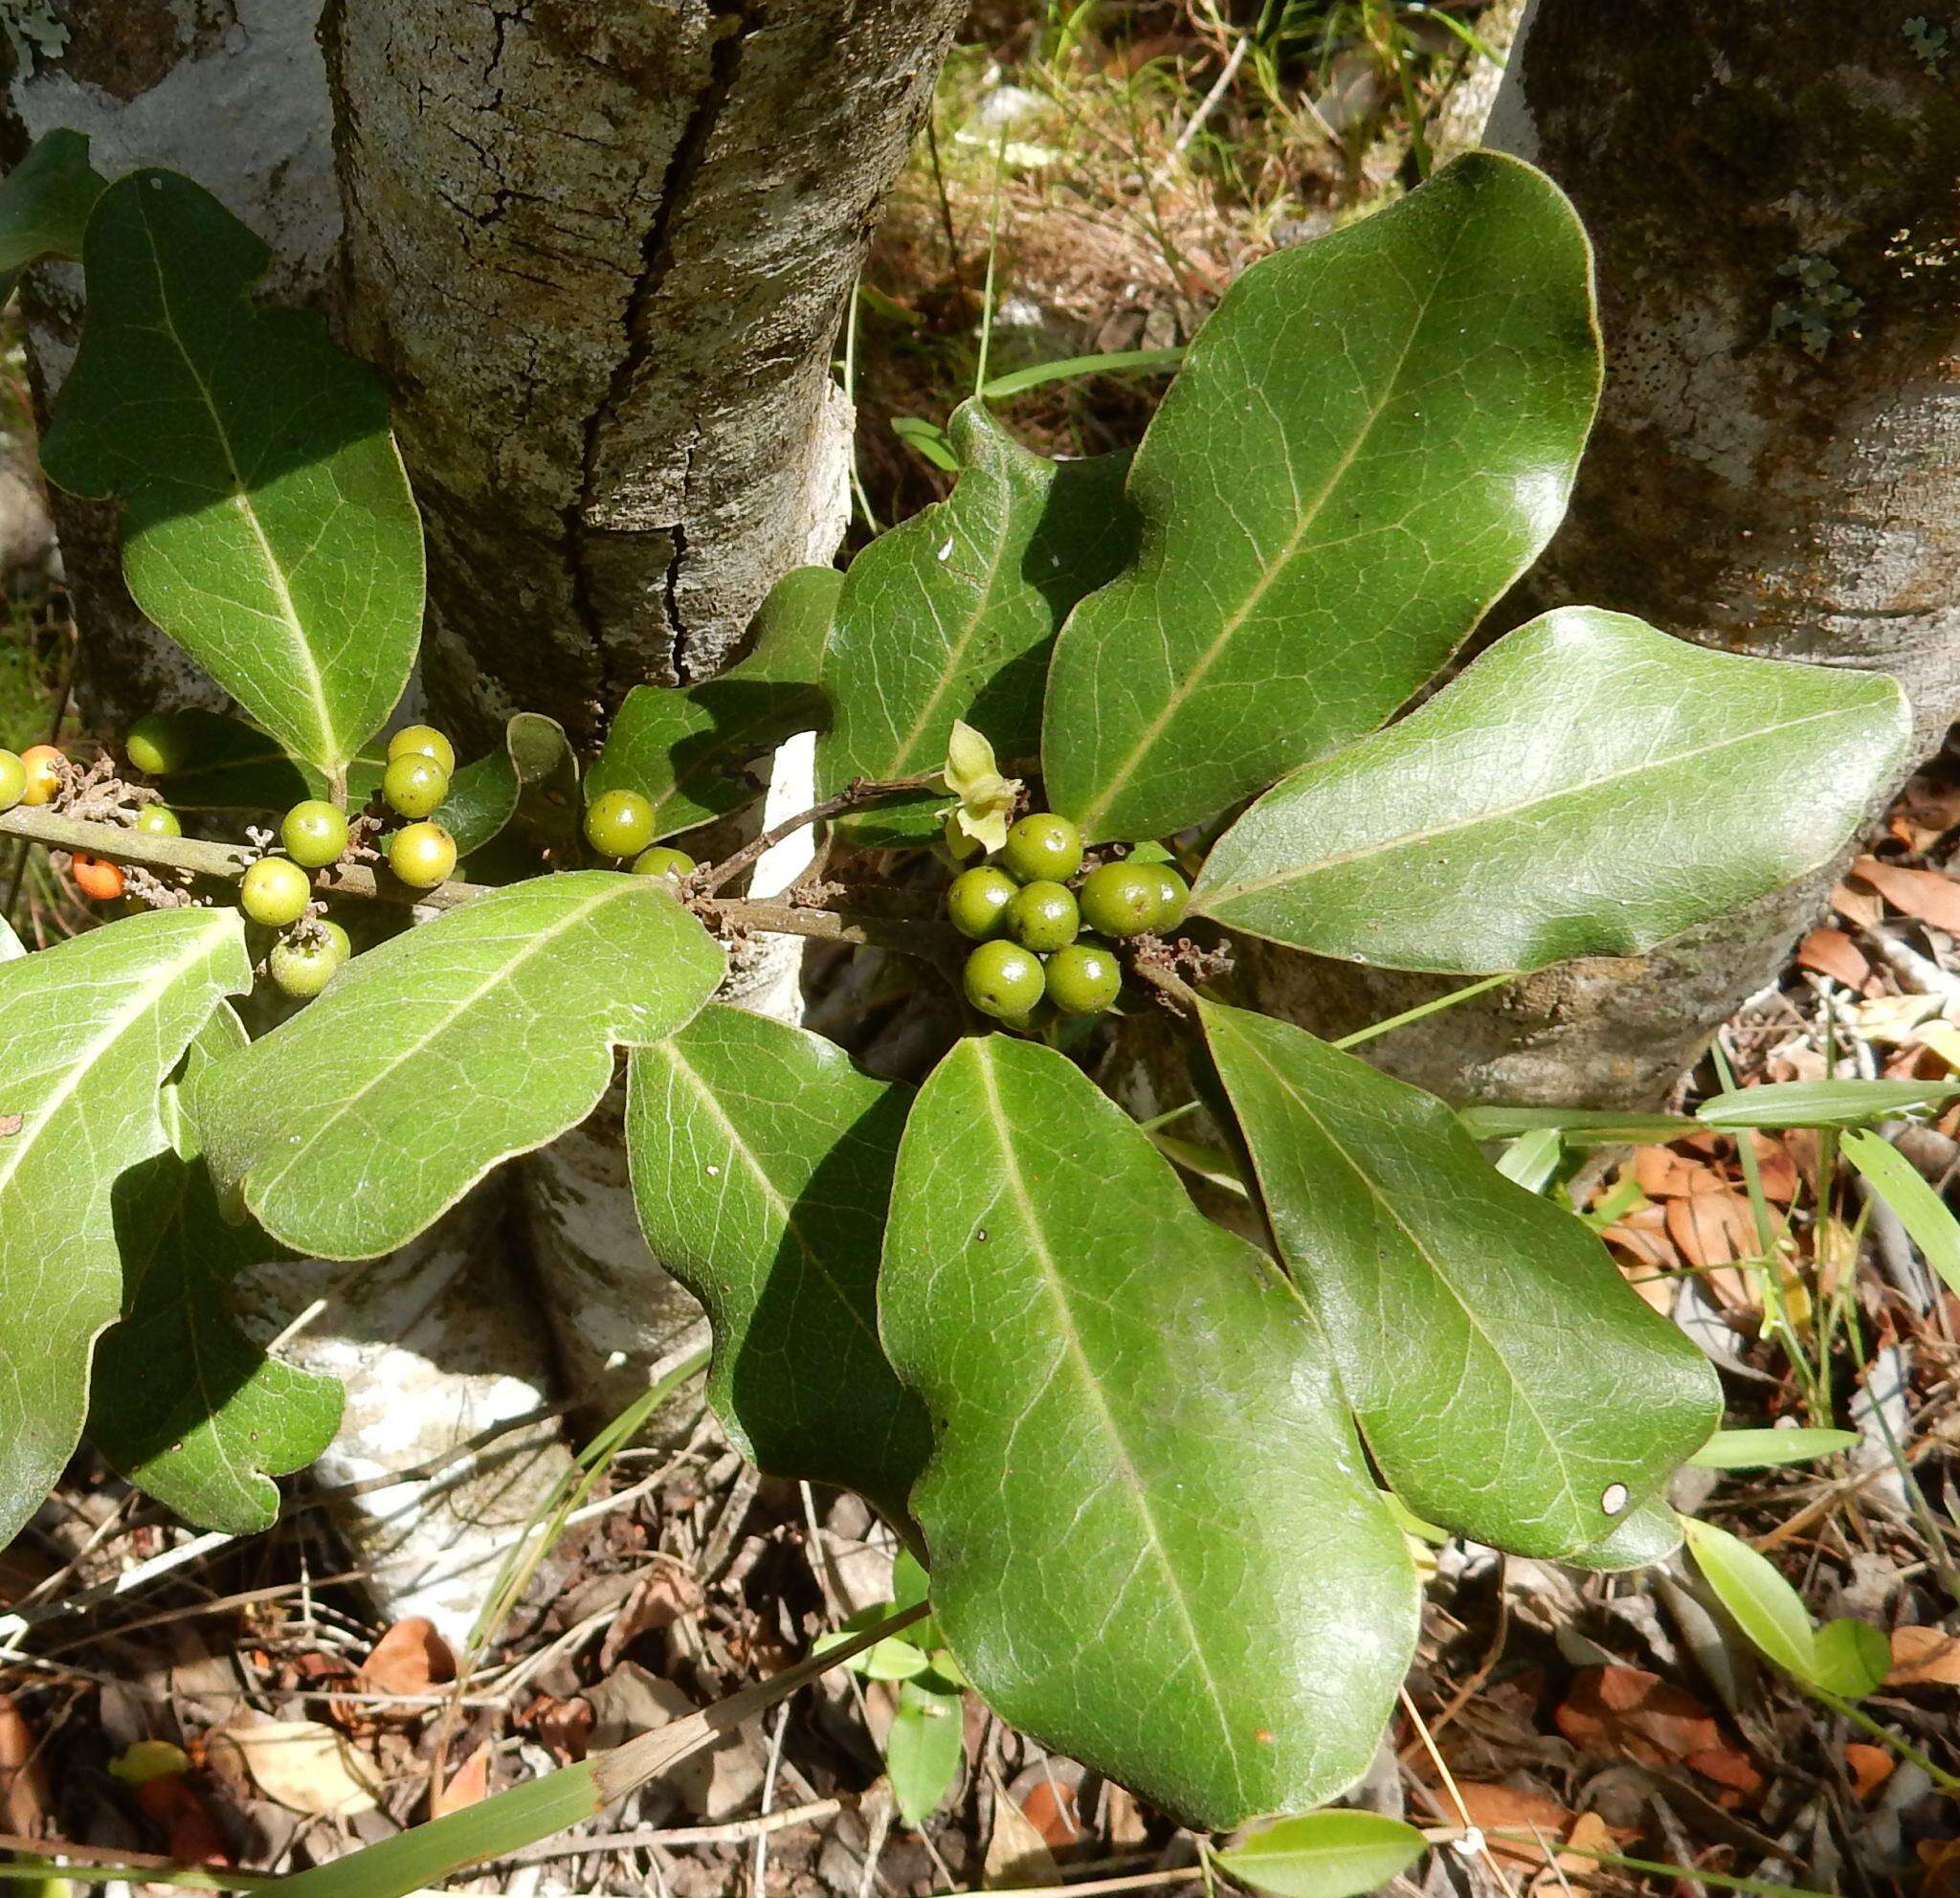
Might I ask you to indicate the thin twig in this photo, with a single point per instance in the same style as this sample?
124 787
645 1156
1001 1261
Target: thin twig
858 792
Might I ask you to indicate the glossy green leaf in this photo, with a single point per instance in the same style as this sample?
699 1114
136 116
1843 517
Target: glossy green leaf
1921 1211
1324 1854
923 1750
44 204
184 1405
1649 1532
1371 437
1588 787
91 1029
267 523
1575 1125
1822 1103
445 1050
952 615
1766 1449
689 748
1509 1382
231 765
1844 1656
762 1168
1154 1543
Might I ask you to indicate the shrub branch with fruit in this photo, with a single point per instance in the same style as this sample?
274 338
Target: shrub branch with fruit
1132 709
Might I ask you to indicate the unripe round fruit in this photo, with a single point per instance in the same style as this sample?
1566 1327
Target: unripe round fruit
1042 848
97 876
664 860
423 740
422 855
620 823
13 779
1043 916
303 969
977 900
414 786
43 766
1003 980
275 891
1174 894
1121 899
159 820
1083 979
314 833
158 743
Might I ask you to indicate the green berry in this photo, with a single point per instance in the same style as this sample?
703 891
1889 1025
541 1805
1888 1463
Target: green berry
620 823
314 832
977 901
158 743
301 969
1043 916
421 855
664 860
414 785
13 779
159 820
1121 899
1174 893
1083 979
423 740
1043 848
275 891
1003 980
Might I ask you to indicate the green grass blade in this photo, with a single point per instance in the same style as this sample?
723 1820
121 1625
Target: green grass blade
1921 1211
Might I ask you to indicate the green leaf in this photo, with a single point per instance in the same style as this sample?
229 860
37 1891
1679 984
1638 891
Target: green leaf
761 1166
267 525
1850 1658
1154 1545
1649 1532
1822 1103
231 765
1575 1125
1765 1449
1324 1854
1921 1211
952 614
91 1029
923 1750
1760 1602
436 1054
1371 437
44 204
1509 1383
688 747
184 1405
1588 787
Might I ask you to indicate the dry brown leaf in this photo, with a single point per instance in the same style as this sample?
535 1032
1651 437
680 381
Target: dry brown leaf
565 1726
1627 1713
1735 1773
1594 1835
1869 1767
23 1779
301 1765
1925 894
1831 952
1500 1808
409 1659
660 1598
467 1784
1923 1656
1861 907
1941 1858
1923 812
1017 1853
1661 1174
177 1809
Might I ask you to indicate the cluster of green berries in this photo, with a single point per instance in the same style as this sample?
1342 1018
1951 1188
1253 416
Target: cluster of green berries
622 824
1028 908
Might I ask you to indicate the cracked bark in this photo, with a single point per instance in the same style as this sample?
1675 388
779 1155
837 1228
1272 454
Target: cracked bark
1737 491
601 249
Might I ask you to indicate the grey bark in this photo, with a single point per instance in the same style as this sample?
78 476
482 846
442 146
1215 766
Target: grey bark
1741 490
600 249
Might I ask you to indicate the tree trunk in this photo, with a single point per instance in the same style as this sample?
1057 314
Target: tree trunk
1774 467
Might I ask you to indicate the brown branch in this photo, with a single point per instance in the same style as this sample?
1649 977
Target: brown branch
858 792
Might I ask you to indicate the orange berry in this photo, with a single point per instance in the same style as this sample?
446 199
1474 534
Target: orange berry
97 876
43 764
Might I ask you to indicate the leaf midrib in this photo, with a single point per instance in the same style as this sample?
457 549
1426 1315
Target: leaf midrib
1205 901
314 681
147 987
1183 687
1422 1252
1132 1480
263 1184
